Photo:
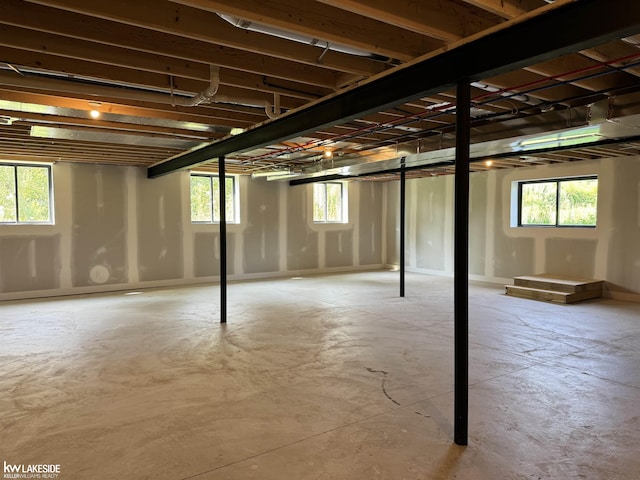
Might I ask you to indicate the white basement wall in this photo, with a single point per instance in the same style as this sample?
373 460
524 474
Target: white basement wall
117 230
498 251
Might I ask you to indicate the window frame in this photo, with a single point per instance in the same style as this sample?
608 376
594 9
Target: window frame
558 181
215 199
343 204
49 169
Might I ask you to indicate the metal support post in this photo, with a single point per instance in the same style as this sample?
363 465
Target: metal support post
403 203
223 239
461 263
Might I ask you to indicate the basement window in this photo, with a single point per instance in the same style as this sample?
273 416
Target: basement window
205 198
25 194
562 202
330 202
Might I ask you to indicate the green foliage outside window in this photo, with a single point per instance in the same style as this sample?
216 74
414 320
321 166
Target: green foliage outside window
578 202
319 202
327 202
7 194
566 202
25 195
201 199
334 202
539 203
205 199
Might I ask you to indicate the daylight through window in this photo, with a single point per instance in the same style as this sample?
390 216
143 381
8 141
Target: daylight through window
25 193
329 202
205 199
568 202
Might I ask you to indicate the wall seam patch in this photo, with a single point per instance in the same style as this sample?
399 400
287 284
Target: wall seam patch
131 216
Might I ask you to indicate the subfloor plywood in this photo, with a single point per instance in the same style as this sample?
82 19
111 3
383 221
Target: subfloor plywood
559 283
324 377
555 288
552 295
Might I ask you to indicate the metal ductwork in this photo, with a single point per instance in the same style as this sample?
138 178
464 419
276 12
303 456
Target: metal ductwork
41 131
208 95
296 37
603 131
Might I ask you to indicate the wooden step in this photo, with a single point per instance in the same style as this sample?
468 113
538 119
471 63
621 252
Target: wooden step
555 288
559 283
550 295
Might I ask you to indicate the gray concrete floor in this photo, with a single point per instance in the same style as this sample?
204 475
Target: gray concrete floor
324 377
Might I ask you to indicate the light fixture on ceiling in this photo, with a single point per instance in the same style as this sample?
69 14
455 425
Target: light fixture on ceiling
328 154
95 113
488 163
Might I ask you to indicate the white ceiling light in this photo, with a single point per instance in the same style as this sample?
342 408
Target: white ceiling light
95 113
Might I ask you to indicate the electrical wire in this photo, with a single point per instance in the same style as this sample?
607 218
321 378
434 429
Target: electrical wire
448 108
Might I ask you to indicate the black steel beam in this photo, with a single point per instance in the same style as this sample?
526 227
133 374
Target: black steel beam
461 263
324 178
222 184
560 30
403 203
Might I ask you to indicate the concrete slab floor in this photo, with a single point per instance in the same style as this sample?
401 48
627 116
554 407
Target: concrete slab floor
323 377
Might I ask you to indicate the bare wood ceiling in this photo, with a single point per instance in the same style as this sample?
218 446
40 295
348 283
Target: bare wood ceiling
141 64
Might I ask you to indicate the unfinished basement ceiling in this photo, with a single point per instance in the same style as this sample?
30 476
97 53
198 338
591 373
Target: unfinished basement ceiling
170 76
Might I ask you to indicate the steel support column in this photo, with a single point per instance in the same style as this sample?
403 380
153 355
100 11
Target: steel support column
223 239
403 203
461 262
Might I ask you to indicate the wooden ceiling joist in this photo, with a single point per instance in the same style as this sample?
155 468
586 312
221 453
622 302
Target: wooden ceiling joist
433 73
139 60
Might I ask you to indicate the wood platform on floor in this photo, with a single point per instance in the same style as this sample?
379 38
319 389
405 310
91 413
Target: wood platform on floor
555 288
